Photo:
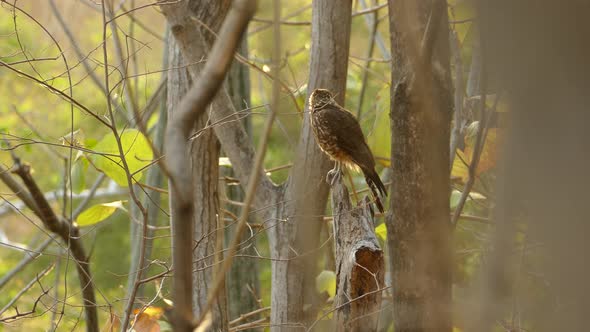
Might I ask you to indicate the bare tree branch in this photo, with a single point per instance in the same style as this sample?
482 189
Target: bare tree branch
28 286
70 235
29 257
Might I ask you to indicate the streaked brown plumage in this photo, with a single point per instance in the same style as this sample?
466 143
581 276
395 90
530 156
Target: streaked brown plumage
339 135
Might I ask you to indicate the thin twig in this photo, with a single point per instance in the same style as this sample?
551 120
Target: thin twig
69 233
372 36
29 257
28 286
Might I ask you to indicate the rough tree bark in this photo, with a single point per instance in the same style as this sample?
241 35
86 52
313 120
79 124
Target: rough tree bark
204 164
307 190
206 85
242 283
360 266
543 187
295 223
418 229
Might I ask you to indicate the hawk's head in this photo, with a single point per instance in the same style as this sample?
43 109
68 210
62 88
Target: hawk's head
320 98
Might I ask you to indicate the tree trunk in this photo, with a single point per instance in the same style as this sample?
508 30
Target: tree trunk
299 206
418 227
204 164
307 190
360 266
543 186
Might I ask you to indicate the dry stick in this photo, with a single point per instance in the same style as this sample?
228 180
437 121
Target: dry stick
132 46
360 297
29 257
431 30
457 132
268 25
250 325
57 92
193 105
70 235
81 56
70 89
255 174
479 140
26 288
130 101
247 315
124 163
139 23
304 23
54 313
242 59
373 33
38 251
378 37
50 150
482 131
19 190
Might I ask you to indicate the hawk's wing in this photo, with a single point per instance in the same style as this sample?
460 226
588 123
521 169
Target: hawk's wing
345 129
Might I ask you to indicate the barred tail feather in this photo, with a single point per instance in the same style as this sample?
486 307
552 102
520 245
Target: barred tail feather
377 187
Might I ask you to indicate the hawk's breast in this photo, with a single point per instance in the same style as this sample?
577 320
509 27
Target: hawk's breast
326 137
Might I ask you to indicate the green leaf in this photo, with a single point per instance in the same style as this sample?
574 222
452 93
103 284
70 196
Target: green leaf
138 155
98 213
326 282
381 231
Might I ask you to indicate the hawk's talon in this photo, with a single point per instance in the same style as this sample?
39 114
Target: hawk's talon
334 175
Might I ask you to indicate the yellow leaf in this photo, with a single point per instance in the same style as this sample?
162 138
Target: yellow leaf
151 311
98 213
326 282
487 159
460 166
381 231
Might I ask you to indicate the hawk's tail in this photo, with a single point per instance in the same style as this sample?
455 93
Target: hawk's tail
377 187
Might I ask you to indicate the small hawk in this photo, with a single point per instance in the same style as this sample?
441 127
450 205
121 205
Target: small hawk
339 135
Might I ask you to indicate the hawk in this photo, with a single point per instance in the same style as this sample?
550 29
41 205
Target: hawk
339 135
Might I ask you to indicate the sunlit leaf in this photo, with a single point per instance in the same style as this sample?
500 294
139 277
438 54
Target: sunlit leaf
137 154
489 153
326 282
224 161
151 311
381 231
145 323
460 168
473 196
98 213
488 157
